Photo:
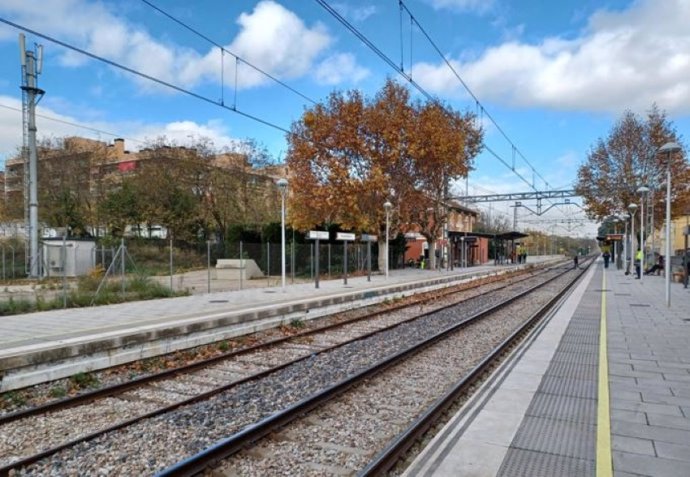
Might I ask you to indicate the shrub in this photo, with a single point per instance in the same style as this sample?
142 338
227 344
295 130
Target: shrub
84 380
57 392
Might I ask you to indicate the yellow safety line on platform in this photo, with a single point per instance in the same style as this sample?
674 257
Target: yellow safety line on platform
604 467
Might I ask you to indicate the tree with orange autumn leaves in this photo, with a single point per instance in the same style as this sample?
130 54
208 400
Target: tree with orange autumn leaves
627 159
351 154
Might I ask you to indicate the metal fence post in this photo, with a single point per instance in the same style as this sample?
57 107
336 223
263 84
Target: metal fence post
316 273
171 264
208 264
268 262
241 264
64 271
122 258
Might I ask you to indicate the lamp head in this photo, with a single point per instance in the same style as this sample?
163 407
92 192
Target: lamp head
632 208
642 189
387 205
282 185
670 147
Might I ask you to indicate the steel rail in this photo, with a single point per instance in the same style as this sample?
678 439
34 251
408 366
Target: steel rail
119 388
389 457
4 470
224 448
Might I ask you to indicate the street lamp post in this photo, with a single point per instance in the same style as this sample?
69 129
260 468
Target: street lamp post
669 148
282 186
387 205
650 207
624 243
632 208
642 190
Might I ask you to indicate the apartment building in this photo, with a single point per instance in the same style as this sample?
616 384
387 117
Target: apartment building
89 169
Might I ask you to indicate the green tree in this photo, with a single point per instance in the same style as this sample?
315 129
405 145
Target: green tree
122 207
65 197
165 185
241 188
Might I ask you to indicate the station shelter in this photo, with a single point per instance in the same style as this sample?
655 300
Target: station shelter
505 246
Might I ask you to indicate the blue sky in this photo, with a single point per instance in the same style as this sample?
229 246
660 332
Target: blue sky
554 75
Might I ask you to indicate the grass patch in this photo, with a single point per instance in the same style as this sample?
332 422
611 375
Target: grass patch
12 399
223 346
297 323
83 381
136 288
57 392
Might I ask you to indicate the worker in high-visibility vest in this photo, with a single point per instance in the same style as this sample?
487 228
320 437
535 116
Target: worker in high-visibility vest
638 262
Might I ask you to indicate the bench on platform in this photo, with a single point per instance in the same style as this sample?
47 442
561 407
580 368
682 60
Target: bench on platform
236 269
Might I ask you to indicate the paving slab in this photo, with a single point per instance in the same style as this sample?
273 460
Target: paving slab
36 347
648 379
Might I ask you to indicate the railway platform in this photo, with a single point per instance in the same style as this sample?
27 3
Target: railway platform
602 388
39 347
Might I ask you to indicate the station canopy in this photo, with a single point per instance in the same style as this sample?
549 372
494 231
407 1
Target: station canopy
501 236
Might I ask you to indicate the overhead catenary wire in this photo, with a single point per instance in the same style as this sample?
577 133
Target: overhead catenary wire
407 76
514 149
77 125
221 103
469 91
374 48
144 75
225 50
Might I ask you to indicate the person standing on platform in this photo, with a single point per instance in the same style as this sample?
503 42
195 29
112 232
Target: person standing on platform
638 262
607 257
575 261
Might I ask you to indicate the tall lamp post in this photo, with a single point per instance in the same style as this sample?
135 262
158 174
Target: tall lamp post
282 186
642 190
387 205
632 208
650 205
624 244
669 148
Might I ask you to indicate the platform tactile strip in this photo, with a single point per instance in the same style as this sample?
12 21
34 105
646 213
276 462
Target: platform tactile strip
526 463
557 436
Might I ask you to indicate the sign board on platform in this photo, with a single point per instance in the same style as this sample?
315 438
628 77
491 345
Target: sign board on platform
368 238
318 235
614 237
344 236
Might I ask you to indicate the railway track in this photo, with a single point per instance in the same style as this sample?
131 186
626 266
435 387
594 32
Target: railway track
194 386
366 423
117 386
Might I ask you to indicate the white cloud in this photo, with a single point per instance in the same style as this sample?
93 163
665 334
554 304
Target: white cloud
53 124
625 59
479 6
186 133
358 14
339 68
272 37
276 40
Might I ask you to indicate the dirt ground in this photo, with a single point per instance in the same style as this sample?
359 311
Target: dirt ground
196 282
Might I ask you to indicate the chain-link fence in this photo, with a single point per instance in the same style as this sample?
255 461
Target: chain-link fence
77 273
13 256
